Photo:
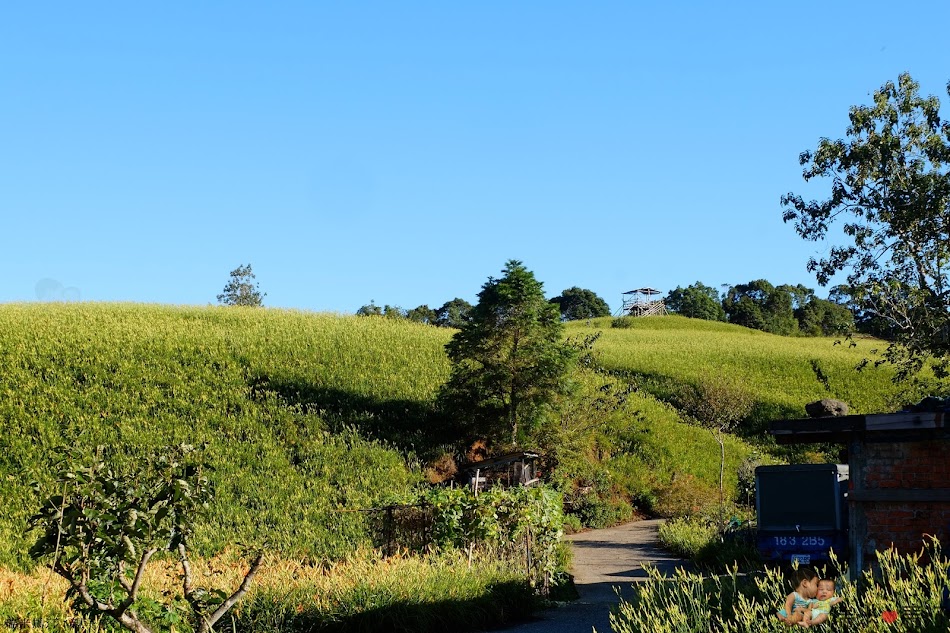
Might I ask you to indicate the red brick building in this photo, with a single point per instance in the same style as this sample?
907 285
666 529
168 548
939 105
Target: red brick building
899 486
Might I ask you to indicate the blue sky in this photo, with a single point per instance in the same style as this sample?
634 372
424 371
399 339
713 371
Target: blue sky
401 152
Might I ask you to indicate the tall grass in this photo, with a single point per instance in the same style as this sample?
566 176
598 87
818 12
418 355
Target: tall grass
783 373
902 594
359 593
272 393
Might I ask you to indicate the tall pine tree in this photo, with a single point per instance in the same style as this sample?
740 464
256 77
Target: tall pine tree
509 361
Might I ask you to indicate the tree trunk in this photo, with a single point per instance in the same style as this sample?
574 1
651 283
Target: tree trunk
722 470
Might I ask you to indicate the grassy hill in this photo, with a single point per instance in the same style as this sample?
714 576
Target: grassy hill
663 353
308 415
272 393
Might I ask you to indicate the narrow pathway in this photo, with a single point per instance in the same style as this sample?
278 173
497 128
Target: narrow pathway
603 559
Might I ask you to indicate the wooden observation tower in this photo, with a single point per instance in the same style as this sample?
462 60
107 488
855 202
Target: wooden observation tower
642 302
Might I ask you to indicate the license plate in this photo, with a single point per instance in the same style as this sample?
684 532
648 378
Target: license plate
801 559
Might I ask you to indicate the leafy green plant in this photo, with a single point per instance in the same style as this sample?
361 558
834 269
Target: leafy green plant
528 520
110 517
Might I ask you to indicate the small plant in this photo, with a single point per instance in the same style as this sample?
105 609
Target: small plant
110 518
745 479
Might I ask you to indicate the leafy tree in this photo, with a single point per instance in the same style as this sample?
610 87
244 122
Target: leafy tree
242 290
370 309
393 312
865 321
422 314
761 306
821 317
890 198
454 313
696 301
579 303
508 360
106 521
719 403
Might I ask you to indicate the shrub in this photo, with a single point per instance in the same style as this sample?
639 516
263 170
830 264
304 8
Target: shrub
596 511
501 520
686 496
687 537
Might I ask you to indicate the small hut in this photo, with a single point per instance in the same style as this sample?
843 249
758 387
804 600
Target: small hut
642 302
511 469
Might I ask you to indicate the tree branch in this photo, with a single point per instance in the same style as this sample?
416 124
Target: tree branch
211 620
186 585
137 581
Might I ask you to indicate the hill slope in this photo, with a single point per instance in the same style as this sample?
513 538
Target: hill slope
784 373
263 388
285 402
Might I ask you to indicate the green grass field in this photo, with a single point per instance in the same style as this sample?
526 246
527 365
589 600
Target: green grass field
272 393
665 352
308 414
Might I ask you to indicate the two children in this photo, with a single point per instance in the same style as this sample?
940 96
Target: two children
810 603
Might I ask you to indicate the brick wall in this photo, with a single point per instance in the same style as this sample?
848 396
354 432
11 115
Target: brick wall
900 470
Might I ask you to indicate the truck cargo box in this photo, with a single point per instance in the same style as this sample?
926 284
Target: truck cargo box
802 512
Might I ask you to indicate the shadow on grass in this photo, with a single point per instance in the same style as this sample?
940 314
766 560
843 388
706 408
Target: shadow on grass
407 425
503 604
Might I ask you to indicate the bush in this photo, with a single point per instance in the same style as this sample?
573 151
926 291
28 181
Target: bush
572 524
687 537
597 511
505 521
686 496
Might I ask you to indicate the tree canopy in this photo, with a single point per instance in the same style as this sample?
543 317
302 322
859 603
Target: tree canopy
761 306
696 301
454 313
579 303
508 359
890 193
242 289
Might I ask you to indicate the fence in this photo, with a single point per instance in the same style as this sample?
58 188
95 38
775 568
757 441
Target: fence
400 527
396 528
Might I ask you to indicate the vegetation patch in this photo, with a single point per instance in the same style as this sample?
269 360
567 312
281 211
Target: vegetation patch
904 593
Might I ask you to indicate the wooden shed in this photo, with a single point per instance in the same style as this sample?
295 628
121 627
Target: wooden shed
510 469
899 488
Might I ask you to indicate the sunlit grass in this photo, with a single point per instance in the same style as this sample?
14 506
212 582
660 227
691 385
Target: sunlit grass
361 592
782 372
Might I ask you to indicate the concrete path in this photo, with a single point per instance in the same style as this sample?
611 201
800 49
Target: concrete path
603 560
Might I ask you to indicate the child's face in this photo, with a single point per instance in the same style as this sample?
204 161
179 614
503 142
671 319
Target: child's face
826 589
810 587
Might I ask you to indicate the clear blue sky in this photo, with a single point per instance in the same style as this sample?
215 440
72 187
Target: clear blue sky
403 151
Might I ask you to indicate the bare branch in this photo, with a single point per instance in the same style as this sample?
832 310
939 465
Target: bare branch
186 585
134 589
122 579
206 624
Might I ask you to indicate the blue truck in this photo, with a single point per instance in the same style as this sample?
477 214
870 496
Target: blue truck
802 512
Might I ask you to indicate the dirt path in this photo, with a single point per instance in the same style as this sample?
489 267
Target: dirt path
603 559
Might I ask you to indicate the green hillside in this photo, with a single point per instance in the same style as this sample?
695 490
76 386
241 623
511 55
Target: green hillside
271 392
663 353
307 415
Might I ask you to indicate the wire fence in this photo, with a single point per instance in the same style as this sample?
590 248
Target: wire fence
400 527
